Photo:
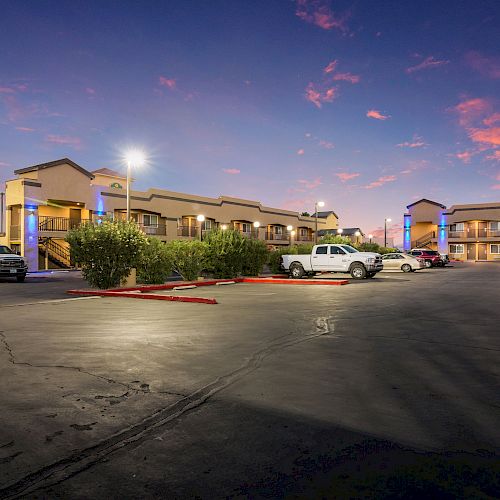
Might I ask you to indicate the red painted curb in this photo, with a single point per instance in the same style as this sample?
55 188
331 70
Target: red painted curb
278 281
147 296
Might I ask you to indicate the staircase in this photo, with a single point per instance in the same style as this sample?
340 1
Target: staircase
57 254
424 240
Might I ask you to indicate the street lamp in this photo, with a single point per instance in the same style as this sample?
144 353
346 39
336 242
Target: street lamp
256 226
370 236
357 234
134 158
385 230
317 204
201 219
340 231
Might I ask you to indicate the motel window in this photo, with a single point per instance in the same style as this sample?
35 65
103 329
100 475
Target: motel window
207 225
494 226
278 229
457 227
246 227
457 249
495 248
150 220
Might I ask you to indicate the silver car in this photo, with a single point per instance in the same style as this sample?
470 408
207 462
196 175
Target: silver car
402 262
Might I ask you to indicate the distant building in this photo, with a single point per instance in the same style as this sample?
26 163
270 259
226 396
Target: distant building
465 232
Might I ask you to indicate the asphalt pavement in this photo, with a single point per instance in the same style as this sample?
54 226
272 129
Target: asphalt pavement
381 388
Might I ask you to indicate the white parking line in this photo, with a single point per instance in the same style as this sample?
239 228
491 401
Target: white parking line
54 301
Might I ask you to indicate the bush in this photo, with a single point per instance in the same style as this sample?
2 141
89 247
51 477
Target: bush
226 253
155 263
275 257
369 247
188 257
106 251
304 248
255 257
335 239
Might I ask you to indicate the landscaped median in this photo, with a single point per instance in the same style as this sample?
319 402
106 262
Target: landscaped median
141 291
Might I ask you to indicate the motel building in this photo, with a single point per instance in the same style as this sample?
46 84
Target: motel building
45 201
464 232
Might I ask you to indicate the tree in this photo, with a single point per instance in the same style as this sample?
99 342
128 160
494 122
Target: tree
305 214
335 239
155 263
188 257
106 250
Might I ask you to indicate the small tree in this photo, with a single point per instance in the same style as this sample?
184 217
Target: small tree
335 239
255 257
369 247
188 257
226 253
155 263
275 257
106 251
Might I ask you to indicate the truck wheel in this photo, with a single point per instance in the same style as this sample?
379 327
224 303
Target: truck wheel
20 279
406 268
358 271
296 271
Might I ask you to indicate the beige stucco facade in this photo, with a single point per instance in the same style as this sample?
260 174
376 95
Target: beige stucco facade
465 232
46 200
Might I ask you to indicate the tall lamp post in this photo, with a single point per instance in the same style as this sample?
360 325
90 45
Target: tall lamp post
386 220
201 220
357 234
134 158
317 204
370 236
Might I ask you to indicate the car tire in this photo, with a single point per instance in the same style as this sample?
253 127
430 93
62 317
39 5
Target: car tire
20 279
358 271
406 268
428 264
296 271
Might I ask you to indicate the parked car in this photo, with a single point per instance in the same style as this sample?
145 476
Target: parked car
445 258
403 262
11 264
431 257
330 258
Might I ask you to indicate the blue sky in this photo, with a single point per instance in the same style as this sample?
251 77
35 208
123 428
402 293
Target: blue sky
365 105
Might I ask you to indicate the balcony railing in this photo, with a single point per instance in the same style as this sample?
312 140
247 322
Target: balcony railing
304 237
474 233
154 229
15 232
191 231
276 236
46 223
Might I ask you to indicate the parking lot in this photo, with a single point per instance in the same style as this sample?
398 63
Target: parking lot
382 385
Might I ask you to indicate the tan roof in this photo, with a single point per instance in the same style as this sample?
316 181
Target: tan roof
108 171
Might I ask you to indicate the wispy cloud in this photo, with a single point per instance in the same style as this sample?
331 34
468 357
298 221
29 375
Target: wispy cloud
310 184
495 155
170 83
330 68
373 113
90 91
429 62
64 140
416 142
464 156
346 176
346 77
318 97
231 171
326 144
485 66
471 110
25 129
489 136
319 13
300 152
381 181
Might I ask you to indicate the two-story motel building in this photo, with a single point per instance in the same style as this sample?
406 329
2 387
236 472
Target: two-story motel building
465 232
47 200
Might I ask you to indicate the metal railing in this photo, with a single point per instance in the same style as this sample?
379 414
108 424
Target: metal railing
15 232
154 229
190 231
307 237
47 223
425 239
276 236
475 233
57 252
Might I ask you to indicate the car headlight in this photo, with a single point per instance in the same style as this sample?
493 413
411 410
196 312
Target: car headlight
370 260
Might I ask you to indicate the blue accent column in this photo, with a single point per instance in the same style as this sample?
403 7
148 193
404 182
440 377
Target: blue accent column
442 235
29 236
407 233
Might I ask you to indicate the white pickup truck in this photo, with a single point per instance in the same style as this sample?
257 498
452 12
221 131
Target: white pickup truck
329 258
11 265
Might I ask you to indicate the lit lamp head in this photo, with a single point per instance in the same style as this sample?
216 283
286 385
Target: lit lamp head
293 233
224 227
135 157
256 224
320 204
370 236
357 234
200 218
388 220
340 230
289 228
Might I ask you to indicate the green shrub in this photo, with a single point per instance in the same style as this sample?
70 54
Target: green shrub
106 251
369 247
255 257
188 257
155 263
275 257
226 253
304 248
335 239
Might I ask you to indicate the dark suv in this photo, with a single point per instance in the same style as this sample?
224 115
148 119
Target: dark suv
431 257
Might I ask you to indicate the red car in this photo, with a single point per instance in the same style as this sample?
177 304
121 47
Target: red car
431 257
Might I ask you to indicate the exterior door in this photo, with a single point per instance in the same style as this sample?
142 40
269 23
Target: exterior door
75 217
320 260
482 230
471 251
337 259
481 251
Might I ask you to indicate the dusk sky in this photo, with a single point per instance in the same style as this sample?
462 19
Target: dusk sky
366 105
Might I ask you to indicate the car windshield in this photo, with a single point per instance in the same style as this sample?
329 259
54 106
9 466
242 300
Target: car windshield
4 249
349 249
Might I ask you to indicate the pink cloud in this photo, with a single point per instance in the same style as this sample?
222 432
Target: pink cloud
471 110
90 91
326 144
64 140
331 67
429 62
491 120
489 136
465 156
346 176
495 156
373 113
319 13
310 184
486 66
495 186
347 77
416 142
381 181
25 129
297 204
6 90
317 97
300 152
167 82
231 171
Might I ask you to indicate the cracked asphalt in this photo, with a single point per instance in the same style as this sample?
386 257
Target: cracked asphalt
381 388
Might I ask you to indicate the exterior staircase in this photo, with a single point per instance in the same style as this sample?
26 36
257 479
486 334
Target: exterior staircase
424 240
57 254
